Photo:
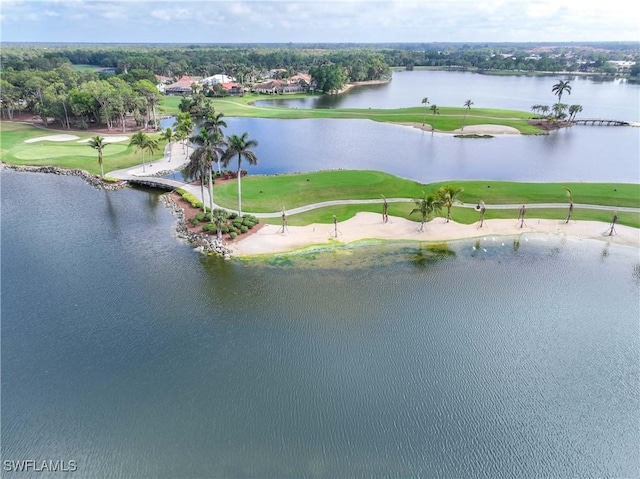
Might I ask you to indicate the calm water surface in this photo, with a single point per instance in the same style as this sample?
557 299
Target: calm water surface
580 153
126 351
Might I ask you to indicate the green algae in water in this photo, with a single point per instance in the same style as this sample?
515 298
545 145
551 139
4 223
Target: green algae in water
359 255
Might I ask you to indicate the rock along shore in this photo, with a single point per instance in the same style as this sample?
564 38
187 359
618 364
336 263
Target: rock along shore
93 180
202 243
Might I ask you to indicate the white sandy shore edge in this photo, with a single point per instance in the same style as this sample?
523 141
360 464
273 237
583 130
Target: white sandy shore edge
270 239
471 129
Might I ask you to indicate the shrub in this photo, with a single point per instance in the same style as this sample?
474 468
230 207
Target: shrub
194 221
210 227
195 202
233 216
224 229
233 235
244 229
237 224
200 216
110 179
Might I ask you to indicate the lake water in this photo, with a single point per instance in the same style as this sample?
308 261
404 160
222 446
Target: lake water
129 353
580 153
126 351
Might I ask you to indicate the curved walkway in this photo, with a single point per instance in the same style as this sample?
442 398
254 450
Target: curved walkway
179 158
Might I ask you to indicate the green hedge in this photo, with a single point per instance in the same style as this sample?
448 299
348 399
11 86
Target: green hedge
195 202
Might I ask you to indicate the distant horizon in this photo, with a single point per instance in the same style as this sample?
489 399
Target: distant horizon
313 22
303 43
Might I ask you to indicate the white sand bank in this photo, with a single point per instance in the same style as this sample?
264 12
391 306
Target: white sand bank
369 226
108 139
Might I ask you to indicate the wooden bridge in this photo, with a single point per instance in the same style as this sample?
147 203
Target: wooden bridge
600 121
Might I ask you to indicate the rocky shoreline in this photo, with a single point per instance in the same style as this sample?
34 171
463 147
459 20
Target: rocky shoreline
92 180
202 243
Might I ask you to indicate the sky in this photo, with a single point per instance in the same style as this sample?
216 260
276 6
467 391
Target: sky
310 21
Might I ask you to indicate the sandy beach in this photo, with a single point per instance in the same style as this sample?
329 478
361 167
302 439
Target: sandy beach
271 239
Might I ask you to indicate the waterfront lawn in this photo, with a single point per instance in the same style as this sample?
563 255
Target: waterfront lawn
65 154
449 119
264 194
459 215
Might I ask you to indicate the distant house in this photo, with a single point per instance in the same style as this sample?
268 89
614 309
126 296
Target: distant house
180 87
218 79
270 87
232 88
298 83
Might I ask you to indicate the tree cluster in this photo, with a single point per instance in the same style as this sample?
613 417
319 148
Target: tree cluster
76 99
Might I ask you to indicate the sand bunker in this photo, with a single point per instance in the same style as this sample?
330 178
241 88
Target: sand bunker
108 139
52 138
488 130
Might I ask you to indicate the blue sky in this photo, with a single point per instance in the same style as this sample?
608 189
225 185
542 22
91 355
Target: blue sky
242 21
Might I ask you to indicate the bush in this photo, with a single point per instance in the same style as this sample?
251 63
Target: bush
233 235
195 202
194 221
200 216
244 229
110 179
224 229
210 227
233 216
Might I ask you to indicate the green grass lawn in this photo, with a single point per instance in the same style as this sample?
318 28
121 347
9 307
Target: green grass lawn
262 194
460 215
65 154
449 119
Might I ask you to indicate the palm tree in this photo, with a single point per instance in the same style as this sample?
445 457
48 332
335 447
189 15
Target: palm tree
425 206
98 144
435 111
150 145
561 87
197 169
218 217
559 110
210 146
241 146
168 136
449 195
467 104
425 102
573 111
215 123
544 109
139 139
570 195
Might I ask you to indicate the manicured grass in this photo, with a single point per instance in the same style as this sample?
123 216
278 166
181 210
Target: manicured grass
460 215
449 119
271 193
65 154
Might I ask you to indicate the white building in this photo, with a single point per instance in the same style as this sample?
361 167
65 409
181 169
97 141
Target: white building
217 79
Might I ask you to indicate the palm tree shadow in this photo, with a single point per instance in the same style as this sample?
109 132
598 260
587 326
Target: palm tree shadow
426 256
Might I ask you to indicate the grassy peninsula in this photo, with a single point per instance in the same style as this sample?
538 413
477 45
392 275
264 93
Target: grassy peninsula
448 118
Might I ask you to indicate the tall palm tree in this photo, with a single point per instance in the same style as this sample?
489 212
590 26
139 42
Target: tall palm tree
561 87
98 144
168 136
240 146
435 111
215 123
425 206
139 139
467 104
544 109
425 102
449 195
197 169
209 146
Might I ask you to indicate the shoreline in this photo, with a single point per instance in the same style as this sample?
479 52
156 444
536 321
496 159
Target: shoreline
271 240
